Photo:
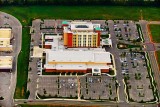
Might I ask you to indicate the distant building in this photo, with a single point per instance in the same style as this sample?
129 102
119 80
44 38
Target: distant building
5 38
81 34
6 63
78 62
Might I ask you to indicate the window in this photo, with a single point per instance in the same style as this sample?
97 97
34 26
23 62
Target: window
84 40
74 40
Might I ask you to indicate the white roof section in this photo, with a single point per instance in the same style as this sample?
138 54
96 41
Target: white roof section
5 33
96 25
5 36
55 41
78 56
49 37
6 62
37 52
96 71
78 26
66 66
76 66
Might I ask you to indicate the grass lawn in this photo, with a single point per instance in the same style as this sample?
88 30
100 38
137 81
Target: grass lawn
140 32
25 14
28 13
155 31
23 61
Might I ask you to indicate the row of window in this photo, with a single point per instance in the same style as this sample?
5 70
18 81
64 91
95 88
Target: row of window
84 40
85 36
84 44
89 44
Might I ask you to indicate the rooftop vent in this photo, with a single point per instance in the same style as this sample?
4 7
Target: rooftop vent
81 26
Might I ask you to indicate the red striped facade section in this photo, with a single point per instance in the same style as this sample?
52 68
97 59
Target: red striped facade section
99 33
70 35
75 71
47 46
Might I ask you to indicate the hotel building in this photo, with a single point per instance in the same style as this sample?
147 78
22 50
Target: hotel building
81 34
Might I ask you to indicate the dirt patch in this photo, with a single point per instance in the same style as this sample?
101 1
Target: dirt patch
157 57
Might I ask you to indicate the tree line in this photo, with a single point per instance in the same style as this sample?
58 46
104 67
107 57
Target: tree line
82 2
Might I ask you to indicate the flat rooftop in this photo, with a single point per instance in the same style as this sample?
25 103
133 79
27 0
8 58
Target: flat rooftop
78 25
106 41
54 40
6 62
5 36
37 52
76 66
5 33
78 56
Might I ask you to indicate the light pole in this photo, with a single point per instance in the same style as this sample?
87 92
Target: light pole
141 15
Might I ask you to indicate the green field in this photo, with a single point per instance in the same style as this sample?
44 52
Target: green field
155 31
28 13
25 14
23 61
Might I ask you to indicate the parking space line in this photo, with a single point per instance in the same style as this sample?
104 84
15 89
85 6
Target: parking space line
37 79
37 86
78 87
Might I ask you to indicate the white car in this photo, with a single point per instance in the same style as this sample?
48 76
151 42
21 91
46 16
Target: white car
39 73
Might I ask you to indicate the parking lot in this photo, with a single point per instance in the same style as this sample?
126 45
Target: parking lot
47 86
68 87
134 68
126 31
91 87
57 87
98 87
130 62
5 85
133 64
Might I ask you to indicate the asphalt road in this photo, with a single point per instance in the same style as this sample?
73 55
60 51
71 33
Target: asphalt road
115 52
85 103
17 33
32 85
157 46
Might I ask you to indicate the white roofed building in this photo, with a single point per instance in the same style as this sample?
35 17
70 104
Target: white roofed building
6 63
77 61
5 37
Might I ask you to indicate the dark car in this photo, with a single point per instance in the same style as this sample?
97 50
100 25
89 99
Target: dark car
1 98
